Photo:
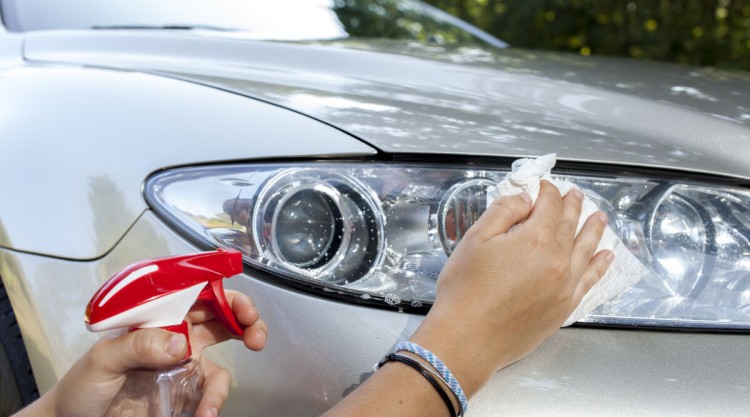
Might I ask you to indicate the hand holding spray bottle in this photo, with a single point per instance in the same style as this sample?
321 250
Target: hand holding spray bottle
160 293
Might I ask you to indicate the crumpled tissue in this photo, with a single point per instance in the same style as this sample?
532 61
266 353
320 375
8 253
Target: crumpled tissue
626 269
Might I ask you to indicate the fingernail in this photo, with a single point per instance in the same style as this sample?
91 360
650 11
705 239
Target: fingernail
525 197
602 218
610 256
577 193
176 344
214 411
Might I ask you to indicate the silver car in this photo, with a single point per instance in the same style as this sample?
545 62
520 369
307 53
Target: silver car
345 146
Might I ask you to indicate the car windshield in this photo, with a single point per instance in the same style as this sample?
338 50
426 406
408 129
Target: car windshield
257 19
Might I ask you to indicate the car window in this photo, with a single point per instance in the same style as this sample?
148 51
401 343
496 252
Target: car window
260 19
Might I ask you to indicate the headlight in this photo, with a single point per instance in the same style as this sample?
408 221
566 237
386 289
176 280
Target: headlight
381 233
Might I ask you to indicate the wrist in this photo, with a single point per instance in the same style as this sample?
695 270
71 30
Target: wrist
43 406
394 390
444 388
445 385
461 364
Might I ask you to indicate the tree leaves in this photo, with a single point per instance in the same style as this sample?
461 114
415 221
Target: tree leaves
698 32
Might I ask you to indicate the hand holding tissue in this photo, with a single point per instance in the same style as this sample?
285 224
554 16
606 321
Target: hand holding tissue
626 269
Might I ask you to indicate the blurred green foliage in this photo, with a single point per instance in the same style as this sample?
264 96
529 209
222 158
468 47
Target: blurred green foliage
698 32
391 19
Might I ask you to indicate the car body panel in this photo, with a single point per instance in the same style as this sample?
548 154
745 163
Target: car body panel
105 131
305 368
462 102
11 50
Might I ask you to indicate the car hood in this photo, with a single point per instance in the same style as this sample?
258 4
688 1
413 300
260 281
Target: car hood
409 98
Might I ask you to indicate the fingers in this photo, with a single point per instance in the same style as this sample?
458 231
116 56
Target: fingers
256 335
212 332
571 212
256 330
585 268
587 241
207 332
597 267
145 348
584 263
548 207
216 382
502 214
242 307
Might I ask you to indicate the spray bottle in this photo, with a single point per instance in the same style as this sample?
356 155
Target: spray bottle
160 293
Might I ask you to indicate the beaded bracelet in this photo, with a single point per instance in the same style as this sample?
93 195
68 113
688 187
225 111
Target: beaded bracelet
441 368
426 372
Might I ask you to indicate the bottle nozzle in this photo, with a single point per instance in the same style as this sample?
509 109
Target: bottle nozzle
160 292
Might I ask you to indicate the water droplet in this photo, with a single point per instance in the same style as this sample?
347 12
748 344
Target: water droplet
392 299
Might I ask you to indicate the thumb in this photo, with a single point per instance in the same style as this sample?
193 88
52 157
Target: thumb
144 348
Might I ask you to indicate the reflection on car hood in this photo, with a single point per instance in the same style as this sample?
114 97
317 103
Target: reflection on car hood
411 98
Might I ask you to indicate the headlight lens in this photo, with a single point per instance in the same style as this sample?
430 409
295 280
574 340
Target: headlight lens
381 233
317 224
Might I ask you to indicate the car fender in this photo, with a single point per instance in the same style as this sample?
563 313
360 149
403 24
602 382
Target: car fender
105 131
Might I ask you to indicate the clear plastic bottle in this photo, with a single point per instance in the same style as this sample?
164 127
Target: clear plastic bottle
170 392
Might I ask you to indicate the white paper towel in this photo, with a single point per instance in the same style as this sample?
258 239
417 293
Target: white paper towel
626 269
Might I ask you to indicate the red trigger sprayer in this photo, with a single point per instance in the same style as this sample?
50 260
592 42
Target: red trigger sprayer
159 293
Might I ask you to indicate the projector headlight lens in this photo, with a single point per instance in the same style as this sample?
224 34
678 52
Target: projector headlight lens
318 224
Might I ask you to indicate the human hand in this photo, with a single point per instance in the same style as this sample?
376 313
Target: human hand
89 387
206 331
506 289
